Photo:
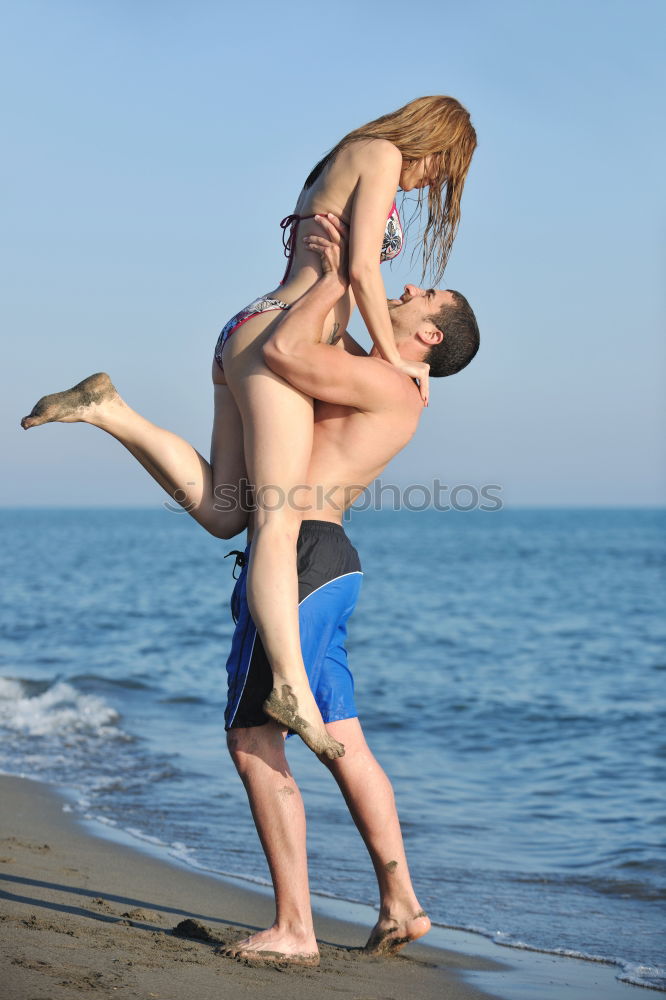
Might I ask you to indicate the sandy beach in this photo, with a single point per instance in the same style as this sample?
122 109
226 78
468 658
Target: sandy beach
82 915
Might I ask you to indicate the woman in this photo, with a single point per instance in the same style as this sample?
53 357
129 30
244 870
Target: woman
427 143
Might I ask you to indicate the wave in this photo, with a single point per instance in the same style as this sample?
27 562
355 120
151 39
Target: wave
130 683
649 976
57 709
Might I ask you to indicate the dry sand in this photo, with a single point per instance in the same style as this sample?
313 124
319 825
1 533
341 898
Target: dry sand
84 916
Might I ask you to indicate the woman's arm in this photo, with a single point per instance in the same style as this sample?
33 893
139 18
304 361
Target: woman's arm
379 174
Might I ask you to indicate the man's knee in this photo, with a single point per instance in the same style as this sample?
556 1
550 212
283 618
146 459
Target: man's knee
240 743
351 735
249 745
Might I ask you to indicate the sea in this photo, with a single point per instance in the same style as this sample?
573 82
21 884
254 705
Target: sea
510 672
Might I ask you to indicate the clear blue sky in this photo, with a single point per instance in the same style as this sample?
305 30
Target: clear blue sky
151 148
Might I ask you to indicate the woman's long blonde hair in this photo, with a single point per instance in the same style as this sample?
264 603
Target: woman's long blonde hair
429 126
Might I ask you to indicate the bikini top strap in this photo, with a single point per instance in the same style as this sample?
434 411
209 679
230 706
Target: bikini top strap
290 222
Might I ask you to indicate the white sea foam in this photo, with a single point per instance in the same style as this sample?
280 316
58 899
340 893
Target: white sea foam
649 976
140 835
58 710
10 689
183 853
106 820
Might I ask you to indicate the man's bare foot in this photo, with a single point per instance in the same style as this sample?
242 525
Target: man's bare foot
72 405
275 945
389 936
283 706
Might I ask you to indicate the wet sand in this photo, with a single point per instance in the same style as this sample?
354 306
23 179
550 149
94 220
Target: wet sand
83 915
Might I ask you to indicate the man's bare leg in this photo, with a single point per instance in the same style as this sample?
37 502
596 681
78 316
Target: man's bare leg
369 796
179 469
279 816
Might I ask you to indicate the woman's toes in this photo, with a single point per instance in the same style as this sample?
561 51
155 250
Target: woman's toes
334 750
70 406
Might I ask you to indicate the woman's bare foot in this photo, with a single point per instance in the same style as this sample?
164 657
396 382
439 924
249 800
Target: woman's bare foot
73 405
304 718
389 935
275 945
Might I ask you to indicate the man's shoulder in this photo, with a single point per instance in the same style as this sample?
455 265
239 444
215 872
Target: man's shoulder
396 379
391 388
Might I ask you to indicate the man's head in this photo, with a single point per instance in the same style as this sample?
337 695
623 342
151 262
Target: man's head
435 326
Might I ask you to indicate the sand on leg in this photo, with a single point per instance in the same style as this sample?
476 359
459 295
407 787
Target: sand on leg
279 816
193 484
371 802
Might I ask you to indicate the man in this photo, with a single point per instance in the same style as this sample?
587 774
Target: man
366 411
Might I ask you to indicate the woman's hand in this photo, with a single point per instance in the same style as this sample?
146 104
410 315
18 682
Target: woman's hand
332 248
421 371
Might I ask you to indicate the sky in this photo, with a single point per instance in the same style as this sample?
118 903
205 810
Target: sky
151 149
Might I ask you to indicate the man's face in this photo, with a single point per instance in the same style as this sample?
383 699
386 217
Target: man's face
410 312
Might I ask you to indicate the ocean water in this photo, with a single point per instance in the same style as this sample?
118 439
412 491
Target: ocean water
527 747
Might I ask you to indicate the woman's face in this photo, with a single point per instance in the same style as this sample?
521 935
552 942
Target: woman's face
416 173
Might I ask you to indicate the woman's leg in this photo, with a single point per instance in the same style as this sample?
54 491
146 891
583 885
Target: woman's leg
192 482
369 796
278 428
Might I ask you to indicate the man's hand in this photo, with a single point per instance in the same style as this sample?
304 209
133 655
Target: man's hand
332 248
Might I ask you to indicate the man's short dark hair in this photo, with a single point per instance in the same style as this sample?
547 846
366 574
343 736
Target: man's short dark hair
460 341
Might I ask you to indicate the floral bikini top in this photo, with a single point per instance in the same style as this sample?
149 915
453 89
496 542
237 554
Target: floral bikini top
393 236
392 243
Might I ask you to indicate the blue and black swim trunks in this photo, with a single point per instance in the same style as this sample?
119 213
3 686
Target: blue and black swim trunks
329 581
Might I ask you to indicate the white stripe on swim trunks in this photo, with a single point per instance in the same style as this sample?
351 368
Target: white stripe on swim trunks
354 572
247 672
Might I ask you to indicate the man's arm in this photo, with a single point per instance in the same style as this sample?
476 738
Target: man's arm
323 371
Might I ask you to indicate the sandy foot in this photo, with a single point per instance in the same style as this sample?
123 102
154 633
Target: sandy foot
73 404
282 705
389 936
276 946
